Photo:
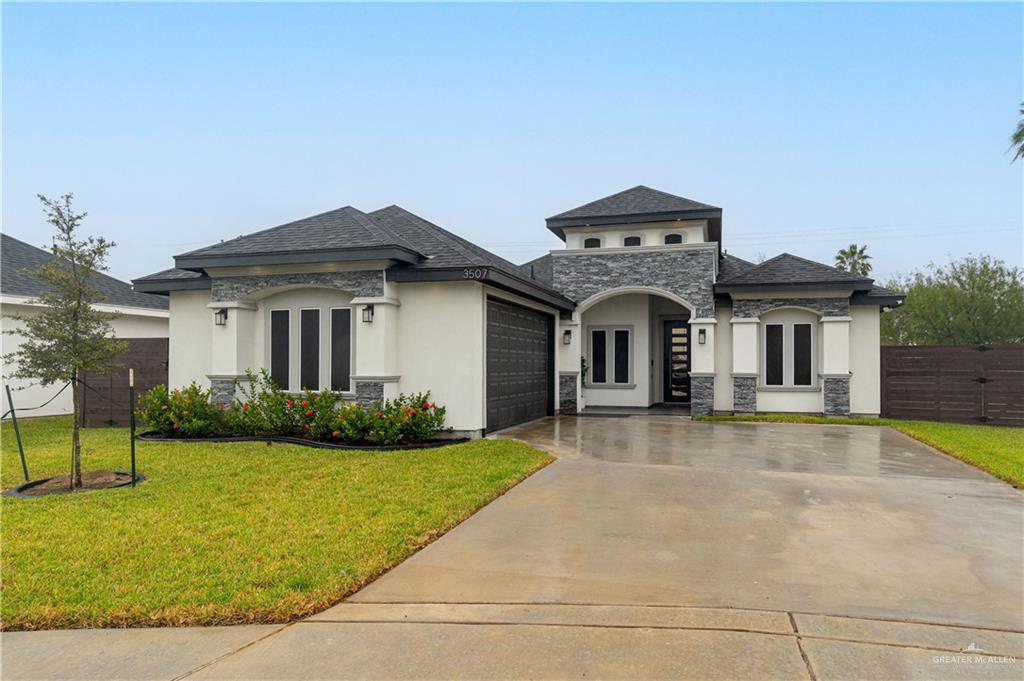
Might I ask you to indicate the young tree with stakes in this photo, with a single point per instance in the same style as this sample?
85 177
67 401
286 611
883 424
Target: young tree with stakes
68 335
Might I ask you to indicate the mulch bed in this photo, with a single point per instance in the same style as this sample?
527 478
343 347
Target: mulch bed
61 484
153 436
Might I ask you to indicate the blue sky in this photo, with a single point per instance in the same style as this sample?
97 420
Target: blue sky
811 125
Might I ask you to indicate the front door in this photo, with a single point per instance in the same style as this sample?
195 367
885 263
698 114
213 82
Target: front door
676 344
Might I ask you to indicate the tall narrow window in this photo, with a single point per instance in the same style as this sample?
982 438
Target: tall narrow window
279 348
801 354
621 356
599 356
773 354
341 348
309 349
671 239
631 241
592 242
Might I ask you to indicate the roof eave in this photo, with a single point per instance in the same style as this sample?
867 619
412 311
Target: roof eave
485 274
558 224
863 298
165 286
397 253
794 286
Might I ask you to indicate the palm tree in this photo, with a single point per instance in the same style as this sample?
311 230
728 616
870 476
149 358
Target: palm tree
1017 140
854 259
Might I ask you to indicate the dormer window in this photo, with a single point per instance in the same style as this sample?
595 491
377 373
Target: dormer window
592 242
631 241
673 239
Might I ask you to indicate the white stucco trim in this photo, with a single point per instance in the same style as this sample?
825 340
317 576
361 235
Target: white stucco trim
377 300
232 305
703 320
375 379
29 301
656 248
745 320
624 290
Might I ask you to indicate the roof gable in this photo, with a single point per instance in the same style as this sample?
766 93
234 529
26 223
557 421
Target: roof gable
17 256
787 270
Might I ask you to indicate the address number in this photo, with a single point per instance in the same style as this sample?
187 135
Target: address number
474 273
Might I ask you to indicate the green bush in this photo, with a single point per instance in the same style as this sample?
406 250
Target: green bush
263 409
181 413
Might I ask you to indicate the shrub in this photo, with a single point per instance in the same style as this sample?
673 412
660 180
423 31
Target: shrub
262 408
316 414
407 418
182 413
352 424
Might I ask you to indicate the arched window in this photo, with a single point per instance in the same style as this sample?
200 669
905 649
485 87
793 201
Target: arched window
592 242
671 239
631 241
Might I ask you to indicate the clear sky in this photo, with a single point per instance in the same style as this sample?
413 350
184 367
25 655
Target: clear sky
811 125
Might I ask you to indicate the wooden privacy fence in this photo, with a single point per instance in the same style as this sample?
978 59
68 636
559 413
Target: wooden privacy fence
962 384
105 401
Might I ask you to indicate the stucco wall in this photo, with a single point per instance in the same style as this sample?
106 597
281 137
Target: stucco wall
190 340
651 234
27 393
625 310
723 359
865 360
440 345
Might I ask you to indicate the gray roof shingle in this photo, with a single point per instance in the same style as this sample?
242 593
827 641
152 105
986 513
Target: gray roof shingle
729 265
639 200
342 228
17 256
787 269
542 269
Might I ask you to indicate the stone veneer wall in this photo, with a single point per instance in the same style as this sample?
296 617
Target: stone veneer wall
837 395
568 402
368 392
688 274
359 283
827 307
744 394
702 395
222 390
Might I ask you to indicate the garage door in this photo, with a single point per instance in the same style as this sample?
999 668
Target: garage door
519 365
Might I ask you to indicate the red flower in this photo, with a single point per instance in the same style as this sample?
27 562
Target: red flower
305 403
290 403
306 426
378 414
309 412
426 405
245 407
336 433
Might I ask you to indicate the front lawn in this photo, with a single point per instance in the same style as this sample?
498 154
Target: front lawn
226 533
997 450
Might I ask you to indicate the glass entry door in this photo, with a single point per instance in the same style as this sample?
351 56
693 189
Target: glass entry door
676 358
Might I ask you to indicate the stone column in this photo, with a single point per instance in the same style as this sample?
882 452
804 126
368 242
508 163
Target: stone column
702 366
232 349
375 372
835 365
745 364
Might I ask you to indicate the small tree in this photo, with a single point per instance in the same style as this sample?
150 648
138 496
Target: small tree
854 259
68 336
975 300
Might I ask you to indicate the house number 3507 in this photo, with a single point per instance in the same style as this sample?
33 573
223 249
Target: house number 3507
474 273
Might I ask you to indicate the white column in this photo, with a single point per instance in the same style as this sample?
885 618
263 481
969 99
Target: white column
233 344
702 355
376 351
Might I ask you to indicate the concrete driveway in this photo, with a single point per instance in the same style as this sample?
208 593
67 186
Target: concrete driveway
656 547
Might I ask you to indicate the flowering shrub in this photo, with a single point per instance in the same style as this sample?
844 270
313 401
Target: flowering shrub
185 413
263 409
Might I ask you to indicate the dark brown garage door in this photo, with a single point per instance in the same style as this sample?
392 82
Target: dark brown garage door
520 364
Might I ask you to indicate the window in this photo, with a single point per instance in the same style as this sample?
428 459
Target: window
279 332
309 349
788 351
631 241
341 348
592 242
672 239
610 356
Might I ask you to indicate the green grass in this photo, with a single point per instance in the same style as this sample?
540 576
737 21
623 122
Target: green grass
226 533
994 449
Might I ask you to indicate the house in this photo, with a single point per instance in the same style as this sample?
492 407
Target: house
142 315
641 307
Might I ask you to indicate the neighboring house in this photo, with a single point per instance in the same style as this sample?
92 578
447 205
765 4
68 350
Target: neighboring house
142 316
381 303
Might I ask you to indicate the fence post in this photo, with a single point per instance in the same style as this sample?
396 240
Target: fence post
17 433
131 416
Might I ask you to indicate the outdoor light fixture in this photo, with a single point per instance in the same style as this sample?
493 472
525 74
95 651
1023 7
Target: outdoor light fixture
566 336
702 336
220 317
368 313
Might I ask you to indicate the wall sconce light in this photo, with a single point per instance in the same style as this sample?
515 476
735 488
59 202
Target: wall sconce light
220 317
368 314
567 337
702 336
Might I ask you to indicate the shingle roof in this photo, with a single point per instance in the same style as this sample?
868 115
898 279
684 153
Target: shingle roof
342 228
787 269
542 269
639 200
729 266
441 248
172 274
17 256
